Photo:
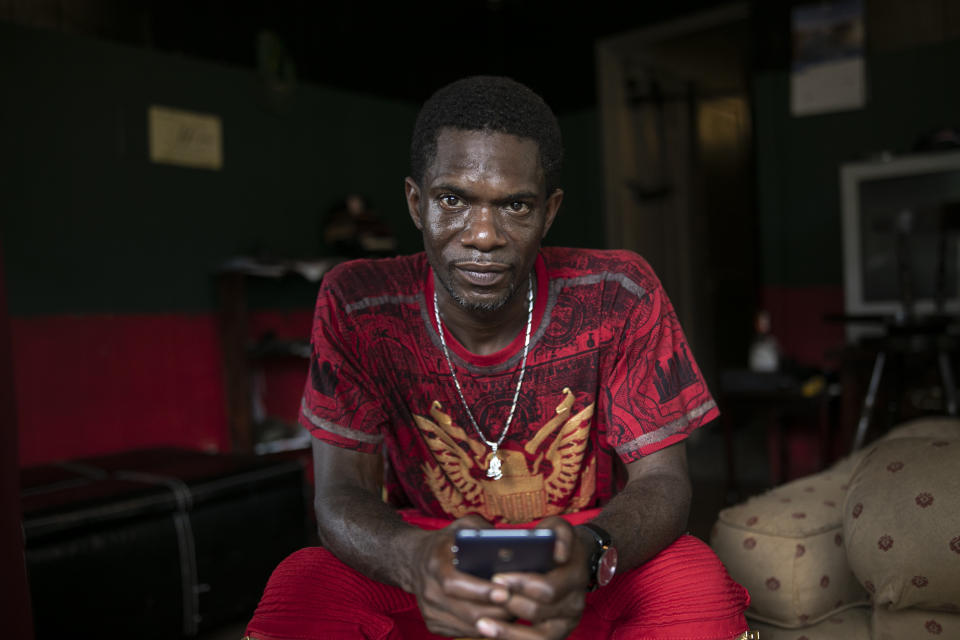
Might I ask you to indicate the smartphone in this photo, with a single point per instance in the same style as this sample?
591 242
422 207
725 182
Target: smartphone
485 552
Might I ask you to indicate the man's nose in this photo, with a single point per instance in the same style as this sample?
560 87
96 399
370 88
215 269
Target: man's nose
483 230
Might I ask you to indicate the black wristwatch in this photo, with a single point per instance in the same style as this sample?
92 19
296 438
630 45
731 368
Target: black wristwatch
603 560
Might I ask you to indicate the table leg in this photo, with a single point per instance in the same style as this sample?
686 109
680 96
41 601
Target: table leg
869 400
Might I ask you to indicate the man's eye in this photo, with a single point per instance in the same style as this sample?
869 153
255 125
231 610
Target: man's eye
518 207
450 201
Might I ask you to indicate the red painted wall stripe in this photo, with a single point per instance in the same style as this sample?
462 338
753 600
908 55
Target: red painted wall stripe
96 384
797 321
15 606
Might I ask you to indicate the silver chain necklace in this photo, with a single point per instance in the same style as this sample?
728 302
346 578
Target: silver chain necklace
493 471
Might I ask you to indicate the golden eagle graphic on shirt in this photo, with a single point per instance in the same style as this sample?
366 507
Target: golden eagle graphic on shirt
529 489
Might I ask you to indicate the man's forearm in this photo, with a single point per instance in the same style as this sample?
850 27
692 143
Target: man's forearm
648 515
368 535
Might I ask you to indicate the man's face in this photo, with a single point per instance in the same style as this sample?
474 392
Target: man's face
483 210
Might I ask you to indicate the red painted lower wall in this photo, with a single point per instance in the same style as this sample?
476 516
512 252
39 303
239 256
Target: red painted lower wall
94 384
797 321
15 606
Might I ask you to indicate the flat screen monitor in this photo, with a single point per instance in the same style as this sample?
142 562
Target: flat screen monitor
901 236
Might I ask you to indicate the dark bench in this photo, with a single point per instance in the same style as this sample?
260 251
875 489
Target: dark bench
156 543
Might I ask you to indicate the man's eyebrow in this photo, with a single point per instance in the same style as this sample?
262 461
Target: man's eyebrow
520 195
465 191
445 186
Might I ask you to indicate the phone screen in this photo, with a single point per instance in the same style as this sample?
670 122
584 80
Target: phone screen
485 552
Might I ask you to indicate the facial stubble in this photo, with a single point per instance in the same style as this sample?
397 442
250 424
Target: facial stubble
446 279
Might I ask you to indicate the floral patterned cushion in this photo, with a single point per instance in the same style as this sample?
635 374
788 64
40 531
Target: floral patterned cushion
938 427
902 523
913 623
853 624
786 547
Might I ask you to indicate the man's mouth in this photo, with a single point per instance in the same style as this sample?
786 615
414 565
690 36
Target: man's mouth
481 274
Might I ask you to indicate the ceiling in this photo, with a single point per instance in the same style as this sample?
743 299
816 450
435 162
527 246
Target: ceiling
406 50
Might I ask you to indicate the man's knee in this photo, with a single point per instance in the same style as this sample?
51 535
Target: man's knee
314 578
690 570
684 580
311 594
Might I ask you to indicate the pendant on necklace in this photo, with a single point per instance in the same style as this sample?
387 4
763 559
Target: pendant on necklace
493 471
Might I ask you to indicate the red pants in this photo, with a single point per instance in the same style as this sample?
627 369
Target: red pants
683 593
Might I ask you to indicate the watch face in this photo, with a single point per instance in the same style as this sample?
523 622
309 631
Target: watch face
607 567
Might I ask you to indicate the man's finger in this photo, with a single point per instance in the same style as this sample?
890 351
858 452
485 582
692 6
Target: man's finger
532 585
466 587
490 628
564 533
459 621
463 616
527 609
554 629
535 598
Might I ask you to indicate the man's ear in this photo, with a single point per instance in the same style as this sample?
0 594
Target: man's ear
412 191
553 205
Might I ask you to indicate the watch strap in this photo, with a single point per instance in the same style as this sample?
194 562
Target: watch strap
602 540
601 535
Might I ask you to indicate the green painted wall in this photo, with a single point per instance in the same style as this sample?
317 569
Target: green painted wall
580 220
90 225
798 159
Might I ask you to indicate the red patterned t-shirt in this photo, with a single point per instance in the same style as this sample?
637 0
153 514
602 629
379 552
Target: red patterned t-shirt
609 376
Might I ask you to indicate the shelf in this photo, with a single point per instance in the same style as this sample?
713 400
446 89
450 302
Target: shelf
273 348
311 270
298 442
240 356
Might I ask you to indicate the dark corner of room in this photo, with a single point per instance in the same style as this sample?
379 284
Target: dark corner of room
179 178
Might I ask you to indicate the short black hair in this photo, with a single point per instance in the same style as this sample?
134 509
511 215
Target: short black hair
488 103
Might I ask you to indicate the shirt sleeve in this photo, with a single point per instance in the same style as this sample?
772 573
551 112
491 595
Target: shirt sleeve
339 403
655 393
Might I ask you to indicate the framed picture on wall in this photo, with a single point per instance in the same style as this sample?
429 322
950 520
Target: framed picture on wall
828 69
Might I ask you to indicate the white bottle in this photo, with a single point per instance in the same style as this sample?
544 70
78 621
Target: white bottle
764 351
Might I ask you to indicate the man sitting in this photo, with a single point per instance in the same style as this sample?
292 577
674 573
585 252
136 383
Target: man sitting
489 381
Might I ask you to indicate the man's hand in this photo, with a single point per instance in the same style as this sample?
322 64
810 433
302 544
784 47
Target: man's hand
453 602
551 602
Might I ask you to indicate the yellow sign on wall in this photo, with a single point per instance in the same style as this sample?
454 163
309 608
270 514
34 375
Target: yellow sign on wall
185 138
